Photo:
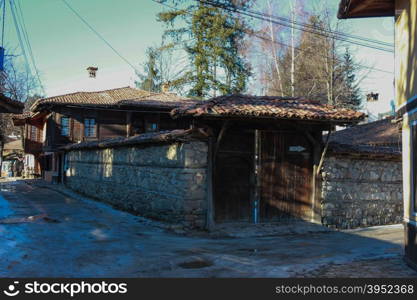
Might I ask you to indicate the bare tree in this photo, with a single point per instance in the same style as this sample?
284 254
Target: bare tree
305 58
274 50
16 82
163 66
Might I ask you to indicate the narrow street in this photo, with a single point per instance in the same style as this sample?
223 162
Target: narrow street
47 234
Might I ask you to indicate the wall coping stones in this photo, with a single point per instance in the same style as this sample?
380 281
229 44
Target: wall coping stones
162 137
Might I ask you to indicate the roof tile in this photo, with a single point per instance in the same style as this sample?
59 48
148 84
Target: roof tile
247 106
119 97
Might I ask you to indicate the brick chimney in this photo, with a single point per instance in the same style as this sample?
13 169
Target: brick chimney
165 87
371 97
92 71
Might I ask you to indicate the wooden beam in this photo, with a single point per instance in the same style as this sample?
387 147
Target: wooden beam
128 124
366 8
210 175
315 199
225 125
323 154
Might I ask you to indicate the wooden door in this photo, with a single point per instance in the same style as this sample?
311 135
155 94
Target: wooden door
285 176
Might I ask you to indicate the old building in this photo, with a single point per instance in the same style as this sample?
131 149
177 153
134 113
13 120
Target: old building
32 143
87 116
12 157
362 176
246 158
404 12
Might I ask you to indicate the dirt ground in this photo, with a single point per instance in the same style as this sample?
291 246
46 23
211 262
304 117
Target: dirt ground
46 233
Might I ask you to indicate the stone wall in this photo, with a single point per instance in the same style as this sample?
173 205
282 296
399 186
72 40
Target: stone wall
165 182
361 192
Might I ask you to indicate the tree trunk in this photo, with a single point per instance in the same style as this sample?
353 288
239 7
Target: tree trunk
293 6
274 50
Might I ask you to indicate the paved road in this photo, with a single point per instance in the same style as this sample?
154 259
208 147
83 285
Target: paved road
44 233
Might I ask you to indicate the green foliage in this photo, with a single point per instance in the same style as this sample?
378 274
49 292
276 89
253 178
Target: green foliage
150 79
212 37
351 97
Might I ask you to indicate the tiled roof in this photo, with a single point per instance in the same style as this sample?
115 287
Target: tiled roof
125 96
168 100
381 136
273 107
162 137
379 133
22 116
358 150
17 106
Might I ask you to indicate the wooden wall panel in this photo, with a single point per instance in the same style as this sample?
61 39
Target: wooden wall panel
233 176
285 176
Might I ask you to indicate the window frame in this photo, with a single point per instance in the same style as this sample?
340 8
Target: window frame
149 121
68 125
88 127
413 142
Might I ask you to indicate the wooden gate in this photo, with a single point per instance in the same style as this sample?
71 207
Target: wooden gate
234 177
285 176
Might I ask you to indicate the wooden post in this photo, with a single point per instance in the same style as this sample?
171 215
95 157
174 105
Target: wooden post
128 124
315 189
210 197
219 139
315 199
257 169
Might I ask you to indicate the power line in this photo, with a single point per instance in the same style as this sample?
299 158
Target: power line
333 32
262 17
283 44
19 36
319 31
324 56
20 16
100 36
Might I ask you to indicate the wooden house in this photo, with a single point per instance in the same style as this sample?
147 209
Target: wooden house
265 153
88 116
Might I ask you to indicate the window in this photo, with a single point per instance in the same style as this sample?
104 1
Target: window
151 123
413 147
89 127
65 126
151 127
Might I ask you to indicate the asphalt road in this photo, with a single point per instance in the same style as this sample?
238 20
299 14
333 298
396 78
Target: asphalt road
44 233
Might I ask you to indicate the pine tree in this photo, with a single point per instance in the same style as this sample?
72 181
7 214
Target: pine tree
324 70
351 96
212 38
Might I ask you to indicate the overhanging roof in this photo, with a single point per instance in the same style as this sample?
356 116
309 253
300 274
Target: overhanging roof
125 97
366 8
10 106
270 107
379 137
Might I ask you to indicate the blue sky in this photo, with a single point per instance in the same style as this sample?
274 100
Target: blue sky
63 46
